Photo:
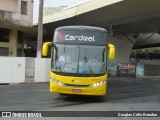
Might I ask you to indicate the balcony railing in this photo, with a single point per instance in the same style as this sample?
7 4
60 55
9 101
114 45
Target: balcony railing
9 17
6 16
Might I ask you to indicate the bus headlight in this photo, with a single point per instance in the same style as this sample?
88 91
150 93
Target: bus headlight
57 82
99 83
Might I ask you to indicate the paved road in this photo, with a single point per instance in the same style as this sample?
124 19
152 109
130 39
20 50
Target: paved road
123 94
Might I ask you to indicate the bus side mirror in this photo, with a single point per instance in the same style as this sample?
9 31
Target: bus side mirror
111 51
45 48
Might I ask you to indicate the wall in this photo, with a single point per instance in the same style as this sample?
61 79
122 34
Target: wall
42 70
140 70
5 70
123 47
112 68
12 70
143 69
24 70
151 67
29 69
13 43
9 5
18 73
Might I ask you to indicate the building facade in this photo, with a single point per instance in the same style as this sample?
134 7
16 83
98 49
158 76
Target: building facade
52 10
16 22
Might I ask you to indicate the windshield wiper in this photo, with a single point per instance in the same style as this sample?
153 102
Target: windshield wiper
90 69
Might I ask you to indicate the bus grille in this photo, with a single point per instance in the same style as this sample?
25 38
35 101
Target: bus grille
80 86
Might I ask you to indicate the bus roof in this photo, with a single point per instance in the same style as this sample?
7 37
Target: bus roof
88 28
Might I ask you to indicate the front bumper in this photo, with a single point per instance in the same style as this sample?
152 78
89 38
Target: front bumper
94 91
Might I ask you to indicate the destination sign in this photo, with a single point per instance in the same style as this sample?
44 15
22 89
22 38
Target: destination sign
80 36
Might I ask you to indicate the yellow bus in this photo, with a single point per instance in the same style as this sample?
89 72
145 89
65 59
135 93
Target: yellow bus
79 57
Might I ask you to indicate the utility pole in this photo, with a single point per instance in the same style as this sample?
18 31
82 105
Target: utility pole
40 29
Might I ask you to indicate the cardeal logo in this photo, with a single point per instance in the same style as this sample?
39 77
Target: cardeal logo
77 38
61 36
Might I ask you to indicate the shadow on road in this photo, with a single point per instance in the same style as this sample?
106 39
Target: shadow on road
117 90
37 96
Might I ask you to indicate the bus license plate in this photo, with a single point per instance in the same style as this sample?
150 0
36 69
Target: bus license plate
76 90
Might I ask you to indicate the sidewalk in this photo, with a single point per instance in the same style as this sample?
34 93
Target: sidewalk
134 78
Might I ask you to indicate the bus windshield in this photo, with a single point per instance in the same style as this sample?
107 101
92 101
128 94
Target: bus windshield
79 59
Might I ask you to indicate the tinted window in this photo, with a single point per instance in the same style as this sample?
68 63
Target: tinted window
79 59
4 35
4 51
24 7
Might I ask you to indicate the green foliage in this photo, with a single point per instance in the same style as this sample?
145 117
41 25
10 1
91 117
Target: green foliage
153 49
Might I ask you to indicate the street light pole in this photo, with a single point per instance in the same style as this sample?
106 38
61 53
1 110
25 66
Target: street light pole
40 29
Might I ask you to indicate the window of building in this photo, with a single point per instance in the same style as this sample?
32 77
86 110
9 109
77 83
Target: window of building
20 37
24 7
4 35
19 52
4 51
